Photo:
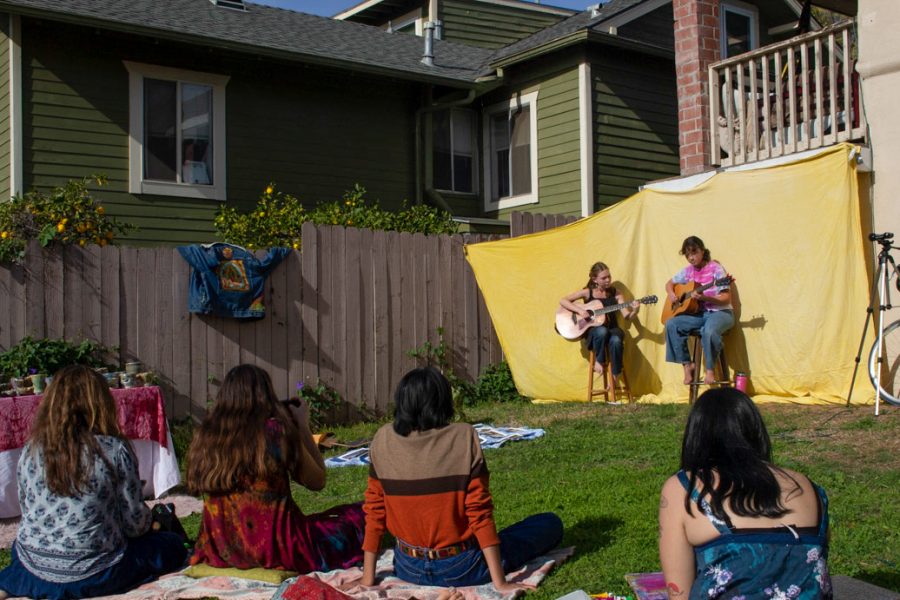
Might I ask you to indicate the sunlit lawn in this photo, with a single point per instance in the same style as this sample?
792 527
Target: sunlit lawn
600 468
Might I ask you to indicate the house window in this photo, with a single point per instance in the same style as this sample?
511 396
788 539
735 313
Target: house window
177 132
510 150
454 151
739 28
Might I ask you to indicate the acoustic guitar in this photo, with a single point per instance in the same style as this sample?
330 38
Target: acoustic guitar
684 304
571 326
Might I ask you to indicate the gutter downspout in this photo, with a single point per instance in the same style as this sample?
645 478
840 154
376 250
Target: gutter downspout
470 97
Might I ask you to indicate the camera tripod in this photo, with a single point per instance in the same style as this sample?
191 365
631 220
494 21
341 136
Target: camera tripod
887 269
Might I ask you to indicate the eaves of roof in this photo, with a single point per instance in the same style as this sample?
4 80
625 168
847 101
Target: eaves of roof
582 36
455 65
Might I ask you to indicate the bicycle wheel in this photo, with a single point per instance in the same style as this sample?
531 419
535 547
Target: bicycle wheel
887 372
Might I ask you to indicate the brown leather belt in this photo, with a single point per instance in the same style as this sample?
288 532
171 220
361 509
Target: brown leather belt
436 553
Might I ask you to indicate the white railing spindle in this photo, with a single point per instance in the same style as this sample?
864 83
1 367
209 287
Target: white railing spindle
764 119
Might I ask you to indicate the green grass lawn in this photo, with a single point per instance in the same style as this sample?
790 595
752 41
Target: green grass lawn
600 468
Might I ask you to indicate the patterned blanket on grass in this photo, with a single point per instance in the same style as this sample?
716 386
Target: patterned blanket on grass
347 581
488 435
334 585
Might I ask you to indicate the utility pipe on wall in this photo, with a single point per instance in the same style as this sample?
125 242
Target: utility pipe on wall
428 56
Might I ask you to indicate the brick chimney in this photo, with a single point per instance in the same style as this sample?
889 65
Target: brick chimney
696 47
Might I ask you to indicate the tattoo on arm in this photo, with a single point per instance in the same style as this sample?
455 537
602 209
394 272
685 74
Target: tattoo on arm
674 591
663 502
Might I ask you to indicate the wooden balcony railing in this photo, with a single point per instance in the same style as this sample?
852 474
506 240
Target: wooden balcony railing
788 97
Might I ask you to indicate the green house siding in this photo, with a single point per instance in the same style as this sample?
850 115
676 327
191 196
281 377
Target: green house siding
490 25
559 159
635 124
5 66
656 27
315 133
558 141
320 136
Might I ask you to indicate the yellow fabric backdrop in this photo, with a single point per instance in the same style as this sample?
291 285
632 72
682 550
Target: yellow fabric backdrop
789 234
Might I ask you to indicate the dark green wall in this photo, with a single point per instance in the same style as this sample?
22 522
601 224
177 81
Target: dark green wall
656 27
490 25
312 131
5 66
635 123
555 78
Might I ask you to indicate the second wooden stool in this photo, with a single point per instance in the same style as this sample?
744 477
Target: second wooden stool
724 377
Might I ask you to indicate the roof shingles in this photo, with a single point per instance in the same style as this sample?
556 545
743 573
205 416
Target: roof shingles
269 29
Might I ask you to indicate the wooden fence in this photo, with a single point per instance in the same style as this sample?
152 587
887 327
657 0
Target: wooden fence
346 311
522 223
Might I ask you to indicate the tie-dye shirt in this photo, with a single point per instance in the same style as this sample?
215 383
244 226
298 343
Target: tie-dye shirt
710 272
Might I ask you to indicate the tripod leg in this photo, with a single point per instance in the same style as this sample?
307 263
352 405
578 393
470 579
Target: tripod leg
875 292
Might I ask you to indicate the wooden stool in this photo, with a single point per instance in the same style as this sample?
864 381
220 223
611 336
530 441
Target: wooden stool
697 360
621 384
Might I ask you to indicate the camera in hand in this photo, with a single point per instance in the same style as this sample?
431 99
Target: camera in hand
880 237
164 519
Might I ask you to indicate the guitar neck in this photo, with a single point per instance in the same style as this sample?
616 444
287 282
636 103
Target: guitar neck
609 309
705 287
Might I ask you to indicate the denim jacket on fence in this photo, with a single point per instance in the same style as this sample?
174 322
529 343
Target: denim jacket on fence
227 280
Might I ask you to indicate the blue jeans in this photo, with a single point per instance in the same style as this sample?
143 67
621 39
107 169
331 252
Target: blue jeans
598 338
711 324
145 558
519 543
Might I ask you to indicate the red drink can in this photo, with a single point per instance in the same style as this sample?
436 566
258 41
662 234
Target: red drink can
740 381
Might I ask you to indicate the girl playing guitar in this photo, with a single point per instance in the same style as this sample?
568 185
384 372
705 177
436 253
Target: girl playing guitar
715 315
608 332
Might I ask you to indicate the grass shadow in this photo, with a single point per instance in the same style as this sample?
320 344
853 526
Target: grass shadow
591 534
886 579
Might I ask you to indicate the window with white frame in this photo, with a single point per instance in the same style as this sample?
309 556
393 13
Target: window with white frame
453 156
177 132
740 26
510 152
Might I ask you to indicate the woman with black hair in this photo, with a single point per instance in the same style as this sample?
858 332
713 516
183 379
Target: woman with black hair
731 523
428 486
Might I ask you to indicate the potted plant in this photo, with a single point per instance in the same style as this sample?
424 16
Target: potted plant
46 356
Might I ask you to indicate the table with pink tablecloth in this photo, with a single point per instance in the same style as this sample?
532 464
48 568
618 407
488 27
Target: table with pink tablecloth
142 417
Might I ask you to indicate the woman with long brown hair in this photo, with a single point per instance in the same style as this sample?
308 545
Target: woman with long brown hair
85 529
607 336
243 458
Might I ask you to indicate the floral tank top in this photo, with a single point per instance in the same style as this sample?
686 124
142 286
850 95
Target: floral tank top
780 563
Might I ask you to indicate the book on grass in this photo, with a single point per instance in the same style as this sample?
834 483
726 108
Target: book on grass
648 586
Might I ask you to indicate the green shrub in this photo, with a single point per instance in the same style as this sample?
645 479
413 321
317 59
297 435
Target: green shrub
67 215
321 399
495 384
275 221
48 356
436 356
278 217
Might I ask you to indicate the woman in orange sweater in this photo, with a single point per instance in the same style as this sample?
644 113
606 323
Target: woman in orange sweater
428 486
